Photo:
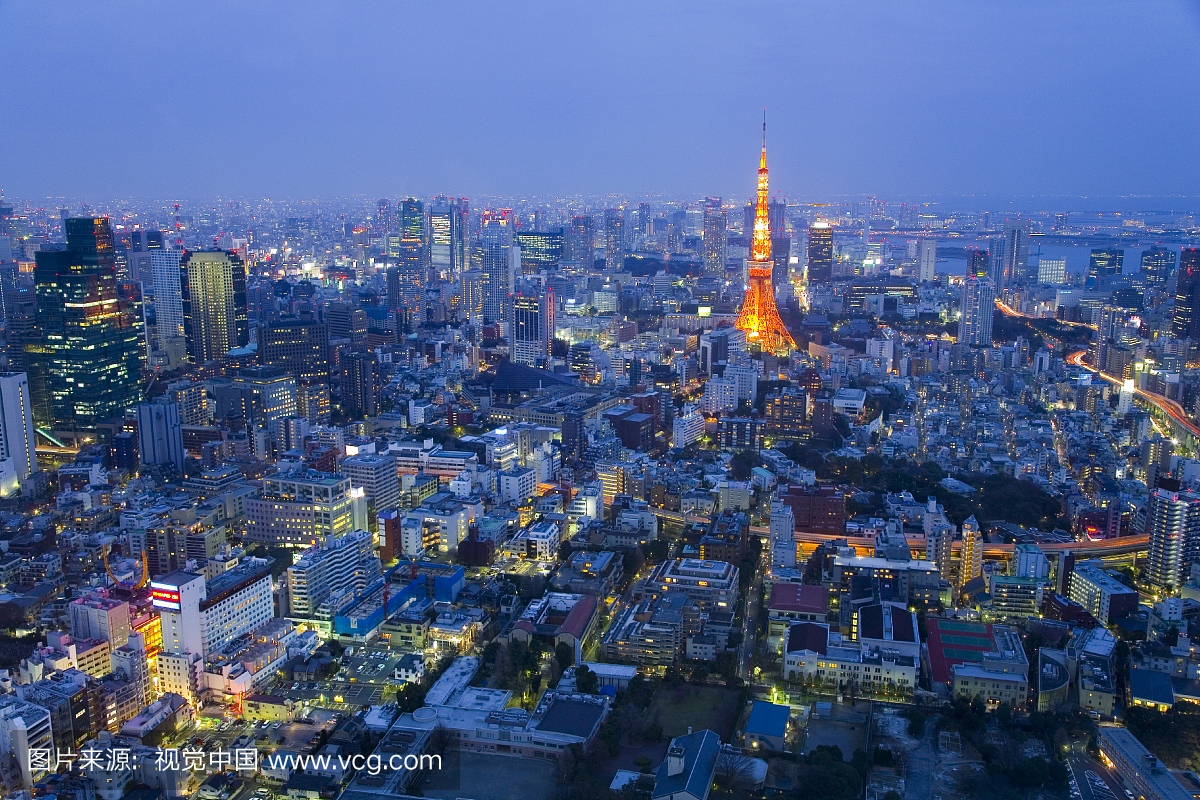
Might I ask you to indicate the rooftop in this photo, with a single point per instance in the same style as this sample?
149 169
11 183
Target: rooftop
768 719
799 598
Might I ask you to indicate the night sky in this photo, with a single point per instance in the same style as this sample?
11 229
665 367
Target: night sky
296 99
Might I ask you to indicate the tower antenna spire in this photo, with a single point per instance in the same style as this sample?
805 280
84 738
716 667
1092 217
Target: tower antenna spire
759 316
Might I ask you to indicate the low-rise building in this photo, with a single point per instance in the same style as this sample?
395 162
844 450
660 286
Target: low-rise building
711 584
999 675
814 654
1142 772
796 602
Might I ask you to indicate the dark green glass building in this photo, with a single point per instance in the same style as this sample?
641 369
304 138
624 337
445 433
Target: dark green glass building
86 353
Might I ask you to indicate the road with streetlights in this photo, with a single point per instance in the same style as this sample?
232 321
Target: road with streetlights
1167 406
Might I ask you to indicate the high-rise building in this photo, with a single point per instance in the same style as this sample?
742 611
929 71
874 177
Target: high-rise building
1104 267
978 263
201 616
927 261
1051 271
496 265
541 251
160 433
471 283
360 384
581 240
262 396
376 475
614 240
168 300
25 729
1185 321
978 306
1173 525
344 564
759 316
215 319
971 555
1010 254
84 357
781 259
1156 459
1157 265
384 218
406 280
716 222
412 219
346 322
447 236
820 253
533 327
299 347
643 219
300 508
96 617
170 546
18 445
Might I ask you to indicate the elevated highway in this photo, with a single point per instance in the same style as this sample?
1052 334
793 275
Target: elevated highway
1102 548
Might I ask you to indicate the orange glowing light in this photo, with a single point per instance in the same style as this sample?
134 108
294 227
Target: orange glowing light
759 316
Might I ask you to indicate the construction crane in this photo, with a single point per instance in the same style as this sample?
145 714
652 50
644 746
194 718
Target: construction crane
145 572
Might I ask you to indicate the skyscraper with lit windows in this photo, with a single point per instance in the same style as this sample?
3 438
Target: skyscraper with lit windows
540 250
614 240
215 320
581 240
85 354
820 253
1185 322
1157 265
532 327
447 236
978 306
715 236
496 264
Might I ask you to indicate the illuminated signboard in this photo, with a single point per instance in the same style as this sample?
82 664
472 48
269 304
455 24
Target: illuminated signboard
163 595
704 311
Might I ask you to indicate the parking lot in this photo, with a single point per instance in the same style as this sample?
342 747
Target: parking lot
337 694
370 667
221 733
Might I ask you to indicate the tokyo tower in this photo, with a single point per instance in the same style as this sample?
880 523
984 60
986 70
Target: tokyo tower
759 317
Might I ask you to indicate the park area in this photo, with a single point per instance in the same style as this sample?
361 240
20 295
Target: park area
676 708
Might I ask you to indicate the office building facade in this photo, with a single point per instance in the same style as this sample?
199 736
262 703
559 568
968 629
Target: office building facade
533 327
978 305
300 509
215 319
298 346
1185 322
86 353
160 433
820 253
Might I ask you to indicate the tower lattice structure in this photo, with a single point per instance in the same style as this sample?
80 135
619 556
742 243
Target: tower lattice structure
759 316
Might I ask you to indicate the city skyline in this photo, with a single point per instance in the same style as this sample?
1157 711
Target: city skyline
233 101
384 382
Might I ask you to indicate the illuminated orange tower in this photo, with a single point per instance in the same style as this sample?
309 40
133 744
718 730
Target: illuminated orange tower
759 317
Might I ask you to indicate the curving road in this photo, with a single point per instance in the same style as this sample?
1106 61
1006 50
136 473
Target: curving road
1167 406
1009 311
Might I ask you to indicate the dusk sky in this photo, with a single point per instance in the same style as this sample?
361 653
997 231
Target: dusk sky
902 100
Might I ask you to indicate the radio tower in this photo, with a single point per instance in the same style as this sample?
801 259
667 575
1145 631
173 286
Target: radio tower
759 317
